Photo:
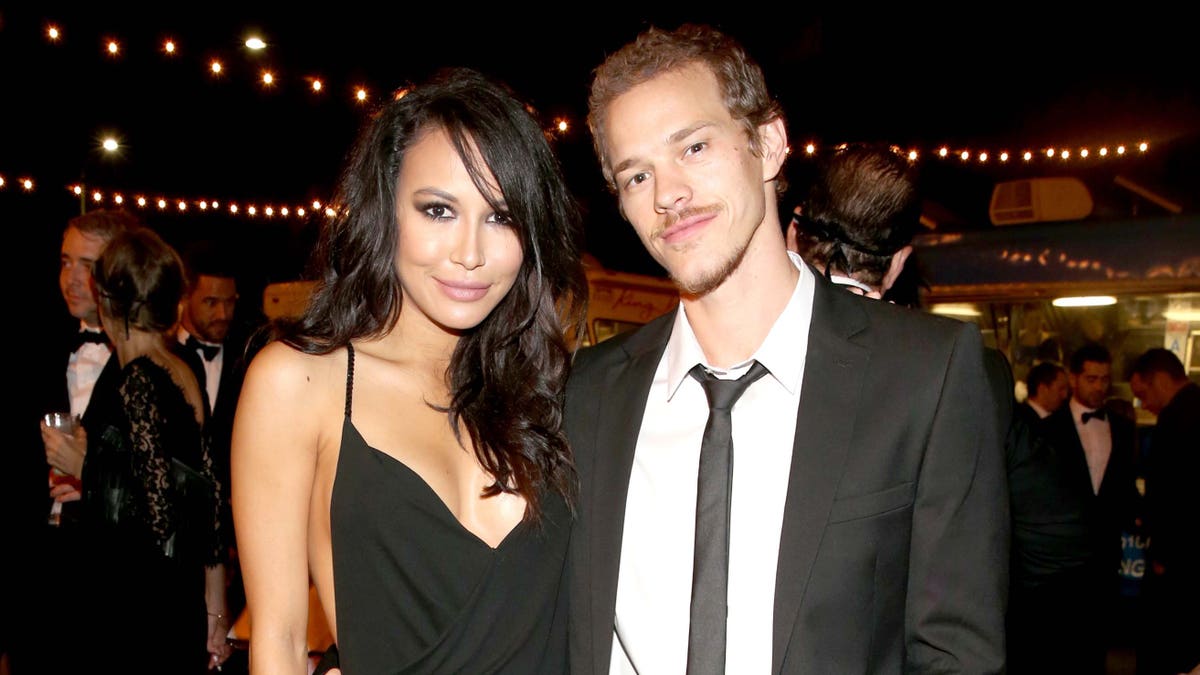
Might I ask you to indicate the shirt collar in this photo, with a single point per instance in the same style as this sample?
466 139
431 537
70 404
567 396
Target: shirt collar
782 352
1077 409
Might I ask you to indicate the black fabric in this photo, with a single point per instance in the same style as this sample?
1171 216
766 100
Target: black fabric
419 593
1097 414
134 579
714 491
208 351
84 336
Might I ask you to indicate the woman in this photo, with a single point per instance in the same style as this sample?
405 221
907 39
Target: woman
153 590
401 444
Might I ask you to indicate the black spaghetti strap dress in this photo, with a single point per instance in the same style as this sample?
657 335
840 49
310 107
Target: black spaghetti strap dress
416 592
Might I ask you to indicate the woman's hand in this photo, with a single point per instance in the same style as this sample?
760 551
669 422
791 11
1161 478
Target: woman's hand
219 649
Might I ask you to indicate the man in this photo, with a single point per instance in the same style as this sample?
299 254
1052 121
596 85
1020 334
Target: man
856 225
216 356
204 332
1172 583
75 367
1097 448
1048 389
867 516
859 218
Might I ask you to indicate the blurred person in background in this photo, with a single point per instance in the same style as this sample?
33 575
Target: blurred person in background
152 586
72 365
1171 640
1097 449
209 342
1048 387
856 224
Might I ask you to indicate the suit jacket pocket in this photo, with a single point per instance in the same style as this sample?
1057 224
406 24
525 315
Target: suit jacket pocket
875 503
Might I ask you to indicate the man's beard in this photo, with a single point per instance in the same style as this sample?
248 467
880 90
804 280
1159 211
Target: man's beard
712 279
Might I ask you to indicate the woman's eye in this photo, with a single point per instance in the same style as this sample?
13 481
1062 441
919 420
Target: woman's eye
694 148
501 219
438 211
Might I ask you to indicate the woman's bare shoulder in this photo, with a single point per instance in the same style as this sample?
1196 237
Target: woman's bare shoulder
289 372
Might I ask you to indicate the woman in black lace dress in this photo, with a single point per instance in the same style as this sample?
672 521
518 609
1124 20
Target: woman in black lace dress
154 579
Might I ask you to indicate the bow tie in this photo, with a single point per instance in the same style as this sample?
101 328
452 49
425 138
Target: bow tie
209 352
1098 414
83 337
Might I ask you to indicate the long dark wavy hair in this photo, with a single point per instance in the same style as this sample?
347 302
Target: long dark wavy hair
507 375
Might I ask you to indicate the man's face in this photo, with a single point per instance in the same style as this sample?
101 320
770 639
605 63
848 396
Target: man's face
1153 390
209 308
79 254
686 177
1090 386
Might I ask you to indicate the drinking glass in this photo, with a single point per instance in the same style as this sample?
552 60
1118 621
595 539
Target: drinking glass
66 423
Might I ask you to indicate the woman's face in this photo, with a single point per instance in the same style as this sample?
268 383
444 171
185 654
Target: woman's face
458 256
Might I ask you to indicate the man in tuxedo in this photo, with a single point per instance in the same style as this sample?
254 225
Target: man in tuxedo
204 334
208 343
1097 448
76 373
861 522
1171 643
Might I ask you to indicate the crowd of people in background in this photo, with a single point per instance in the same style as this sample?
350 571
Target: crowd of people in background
468 492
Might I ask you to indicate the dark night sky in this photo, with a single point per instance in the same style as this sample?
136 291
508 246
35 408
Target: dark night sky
998 76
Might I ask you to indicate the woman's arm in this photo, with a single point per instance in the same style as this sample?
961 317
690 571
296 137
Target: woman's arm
273 462
218 615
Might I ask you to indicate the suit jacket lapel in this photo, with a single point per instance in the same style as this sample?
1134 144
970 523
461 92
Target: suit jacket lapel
624 389
834 369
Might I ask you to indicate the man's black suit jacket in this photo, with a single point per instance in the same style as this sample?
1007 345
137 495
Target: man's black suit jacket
1111 510
894 546
219 424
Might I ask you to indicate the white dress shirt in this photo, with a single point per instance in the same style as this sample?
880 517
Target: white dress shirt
212 369
83 369
655 583
1096 437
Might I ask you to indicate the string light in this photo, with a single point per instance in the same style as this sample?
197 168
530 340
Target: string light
560 125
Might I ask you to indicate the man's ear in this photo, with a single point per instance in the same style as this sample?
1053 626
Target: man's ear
772 140
895 267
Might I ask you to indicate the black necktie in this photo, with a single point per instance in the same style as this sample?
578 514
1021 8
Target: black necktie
1098 414
89 336
209 352
714 486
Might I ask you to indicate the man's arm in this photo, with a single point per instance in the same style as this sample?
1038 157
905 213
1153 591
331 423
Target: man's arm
958 564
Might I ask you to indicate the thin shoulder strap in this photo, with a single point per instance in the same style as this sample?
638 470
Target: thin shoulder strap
349 377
